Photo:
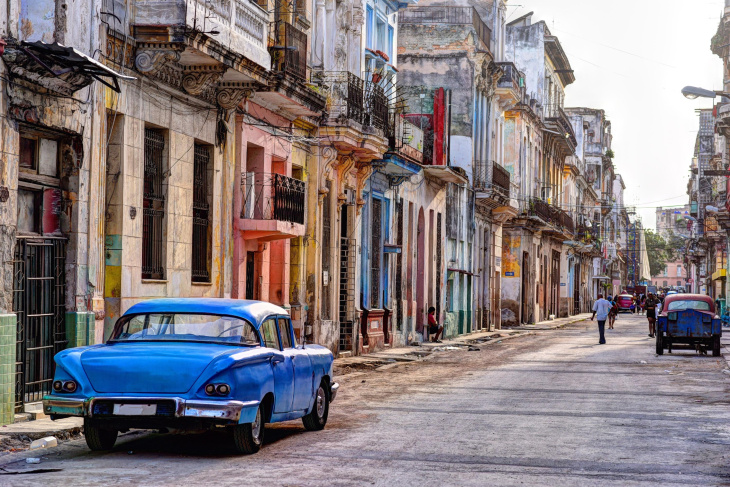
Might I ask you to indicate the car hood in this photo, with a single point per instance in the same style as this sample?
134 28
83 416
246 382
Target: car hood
163 368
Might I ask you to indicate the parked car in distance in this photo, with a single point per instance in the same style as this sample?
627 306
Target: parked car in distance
688 319
194 364
624 302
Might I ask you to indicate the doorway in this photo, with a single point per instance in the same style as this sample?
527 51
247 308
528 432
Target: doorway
524 315
420 273
39 300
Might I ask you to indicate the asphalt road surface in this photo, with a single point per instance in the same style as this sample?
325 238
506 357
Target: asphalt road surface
554 408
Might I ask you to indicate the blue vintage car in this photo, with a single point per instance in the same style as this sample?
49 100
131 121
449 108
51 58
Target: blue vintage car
688 319
194 364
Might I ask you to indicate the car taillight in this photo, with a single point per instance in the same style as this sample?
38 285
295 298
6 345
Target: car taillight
70 386
217 389
58 386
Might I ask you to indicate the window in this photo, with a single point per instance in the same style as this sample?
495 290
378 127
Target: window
28 154
285 330
201 214
380 33
369 27
679 271
29 204
688 304
186 327
269 334
391 36
153 266
664 283
679 283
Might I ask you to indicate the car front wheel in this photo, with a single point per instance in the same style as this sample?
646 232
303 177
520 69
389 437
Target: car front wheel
317 419
98 438
659 343
249 437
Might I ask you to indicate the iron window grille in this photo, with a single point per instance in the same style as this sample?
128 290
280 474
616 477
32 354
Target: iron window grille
153 266
201 214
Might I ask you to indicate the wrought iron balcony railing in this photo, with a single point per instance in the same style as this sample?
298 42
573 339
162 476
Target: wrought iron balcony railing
448 15
288 48
273 197
550 214
345 95
512 78
488 175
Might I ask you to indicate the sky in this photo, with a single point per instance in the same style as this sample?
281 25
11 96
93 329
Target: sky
632 58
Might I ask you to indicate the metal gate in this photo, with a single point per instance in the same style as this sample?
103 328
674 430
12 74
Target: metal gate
39 297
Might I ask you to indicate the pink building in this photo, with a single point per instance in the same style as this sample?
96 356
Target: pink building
673 275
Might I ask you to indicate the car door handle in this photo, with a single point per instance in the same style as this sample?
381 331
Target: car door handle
275 360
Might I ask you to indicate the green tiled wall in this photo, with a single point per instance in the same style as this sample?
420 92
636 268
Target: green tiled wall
8 327
80 329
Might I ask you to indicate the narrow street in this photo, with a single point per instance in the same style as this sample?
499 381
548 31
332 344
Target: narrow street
553 408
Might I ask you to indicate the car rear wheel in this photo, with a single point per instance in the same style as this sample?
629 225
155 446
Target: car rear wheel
659 343
249 437
716 346
317 419
98 438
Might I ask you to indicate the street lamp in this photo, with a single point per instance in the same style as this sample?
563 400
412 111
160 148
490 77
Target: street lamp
692 92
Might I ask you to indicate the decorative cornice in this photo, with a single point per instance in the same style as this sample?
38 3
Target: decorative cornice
229 95
197 80
151 58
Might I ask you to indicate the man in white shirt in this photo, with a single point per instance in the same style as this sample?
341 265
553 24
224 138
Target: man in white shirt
600 310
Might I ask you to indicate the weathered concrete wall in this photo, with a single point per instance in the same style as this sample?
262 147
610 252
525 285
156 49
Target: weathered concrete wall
525 46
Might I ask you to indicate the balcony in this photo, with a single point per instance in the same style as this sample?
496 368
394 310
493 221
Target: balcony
555 218
272 207
492 181
557 120
346 96
510 85
239 26
357 119
287 91
466 16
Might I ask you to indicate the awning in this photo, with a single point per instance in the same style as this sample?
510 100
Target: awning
59 68
446 174
397 169
602 278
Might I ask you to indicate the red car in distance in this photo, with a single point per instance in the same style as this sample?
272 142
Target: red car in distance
624 301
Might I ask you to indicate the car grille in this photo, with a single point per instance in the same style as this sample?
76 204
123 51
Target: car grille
106 408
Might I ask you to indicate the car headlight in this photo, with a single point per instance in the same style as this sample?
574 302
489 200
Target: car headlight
217 389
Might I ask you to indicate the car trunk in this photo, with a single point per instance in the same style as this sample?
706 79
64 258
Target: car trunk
690 323
146 367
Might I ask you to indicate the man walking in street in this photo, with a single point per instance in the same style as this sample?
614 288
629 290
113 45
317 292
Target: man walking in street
600 311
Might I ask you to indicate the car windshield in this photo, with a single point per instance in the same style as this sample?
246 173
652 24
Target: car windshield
688 304
186 327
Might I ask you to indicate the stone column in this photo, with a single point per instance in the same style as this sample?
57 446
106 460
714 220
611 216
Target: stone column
318 40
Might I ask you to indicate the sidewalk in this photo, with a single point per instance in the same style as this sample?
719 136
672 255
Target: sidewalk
19 435
480 339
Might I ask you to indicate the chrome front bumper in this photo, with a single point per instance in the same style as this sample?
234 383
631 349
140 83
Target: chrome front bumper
184 408
333 390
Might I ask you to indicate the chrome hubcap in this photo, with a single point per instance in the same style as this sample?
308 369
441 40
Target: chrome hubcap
320 402
256 427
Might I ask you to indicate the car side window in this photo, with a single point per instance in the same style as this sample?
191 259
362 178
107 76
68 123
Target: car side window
271 337
285 330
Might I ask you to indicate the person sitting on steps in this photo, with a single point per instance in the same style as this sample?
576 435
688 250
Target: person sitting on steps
433 327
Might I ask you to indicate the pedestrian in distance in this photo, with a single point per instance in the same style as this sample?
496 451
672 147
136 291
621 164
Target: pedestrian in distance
433 327
651 309
612 313
601 309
